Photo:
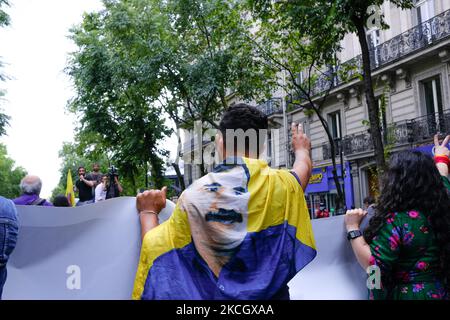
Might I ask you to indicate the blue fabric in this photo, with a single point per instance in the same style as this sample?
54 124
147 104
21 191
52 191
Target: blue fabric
8 236
182 273
297 178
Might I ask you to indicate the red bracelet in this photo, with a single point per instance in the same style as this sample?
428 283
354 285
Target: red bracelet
442 159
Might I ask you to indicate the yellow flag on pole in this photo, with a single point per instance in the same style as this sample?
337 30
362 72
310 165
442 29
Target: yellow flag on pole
69 190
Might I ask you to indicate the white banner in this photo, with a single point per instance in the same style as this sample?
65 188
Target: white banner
92 252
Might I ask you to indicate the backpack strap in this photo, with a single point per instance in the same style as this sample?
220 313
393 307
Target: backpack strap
38 202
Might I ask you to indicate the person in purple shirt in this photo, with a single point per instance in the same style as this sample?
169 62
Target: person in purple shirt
30 187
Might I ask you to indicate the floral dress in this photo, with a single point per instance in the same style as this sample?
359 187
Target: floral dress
407 254
446 182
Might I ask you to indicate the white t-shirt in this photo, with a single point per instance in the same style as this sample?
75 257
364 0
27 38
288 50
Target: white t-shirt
100 192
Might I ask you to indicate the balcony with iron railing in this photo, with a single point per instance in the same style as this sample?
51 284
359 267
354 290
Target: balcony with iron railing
413 40
415 131
271 106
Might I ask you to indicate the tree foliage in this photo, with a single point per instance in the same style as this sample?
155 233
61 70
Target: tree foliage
116 108
140 61
10 175
4 21
325 23
205 56
4 17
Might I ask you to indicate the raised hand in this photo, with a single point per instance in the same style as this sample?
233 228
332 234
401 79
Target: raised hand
152 200
441 148
300 140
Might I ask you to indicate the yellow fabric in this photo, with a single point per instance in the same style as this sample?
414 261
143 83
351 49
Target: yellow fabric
70 194
273 208
171 234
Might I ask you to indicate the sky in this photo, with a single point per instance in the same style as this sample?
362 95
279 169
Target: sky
35 50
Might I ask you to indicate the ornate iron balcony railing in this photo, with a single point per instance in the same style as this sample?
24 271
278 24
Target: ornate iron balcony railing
424 128
326 149
271 106
415 131
417 38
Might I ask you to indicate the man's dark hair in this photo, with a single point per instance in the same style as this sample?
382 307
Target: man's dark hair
369 200
245 117
61 201
81 167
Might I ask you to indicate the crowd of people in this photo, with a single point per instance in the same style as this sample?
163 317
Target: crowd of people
92 187
96 186
243 231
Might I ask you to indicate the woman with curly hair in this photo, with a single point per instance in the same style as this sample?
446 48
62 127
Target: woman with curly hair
408 238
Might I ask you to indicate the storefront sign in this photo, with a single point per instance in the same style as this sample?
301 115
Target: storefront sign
322 181
316 178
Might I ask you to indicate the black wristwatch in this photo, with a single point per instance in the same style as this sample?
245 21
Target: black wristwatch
354 234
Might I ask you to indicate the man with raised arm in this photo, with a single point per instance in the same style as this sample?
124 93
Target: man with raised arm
240 232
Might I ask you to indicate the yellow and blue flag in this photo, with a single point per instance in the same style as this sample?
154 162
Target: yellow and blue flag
242 231
69 190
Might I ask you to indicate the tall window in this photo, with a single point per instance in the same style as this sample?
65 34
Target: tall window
374 41
432 97
269 144
334 122
425 10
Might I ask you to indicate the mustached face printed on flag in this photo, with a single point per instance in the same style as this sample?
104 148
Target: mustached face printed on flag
218 219
236 233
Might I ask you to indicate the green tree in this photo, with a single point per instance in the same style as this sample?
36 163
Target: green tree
330 22
116 109
4 21
298 60
205 55
4 17
10 175
137 57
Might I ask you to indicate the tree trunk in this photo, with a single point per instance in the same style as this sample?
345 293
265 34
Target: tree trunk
202 169
179 176
133 182
146 176
157 172
372 104
340 195
176 165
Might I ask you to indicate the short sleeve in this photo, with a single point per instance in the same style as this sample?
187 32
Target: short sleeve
296 178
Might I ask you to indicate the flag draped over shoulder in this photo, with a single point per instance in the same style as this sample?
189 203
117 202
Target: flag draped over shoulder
240 232
69 190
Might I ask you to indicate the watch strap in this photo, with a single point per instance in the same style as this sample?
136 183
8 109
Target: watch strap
354 234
